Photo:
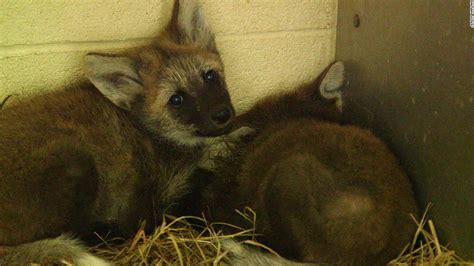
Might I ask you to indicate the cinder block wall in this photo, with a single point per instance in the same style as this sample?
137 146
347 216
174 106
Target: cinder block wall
267 45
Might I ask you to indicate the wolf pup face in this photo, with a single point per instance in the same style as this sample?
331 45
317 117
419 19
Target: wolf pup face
174 86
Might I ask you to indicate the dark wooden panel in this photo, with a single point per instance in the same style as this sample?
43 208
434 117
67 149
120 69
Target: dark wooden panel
410 70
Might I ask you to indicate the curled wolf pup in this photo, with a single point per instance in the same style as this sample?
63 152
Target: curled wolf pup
116 148
323 192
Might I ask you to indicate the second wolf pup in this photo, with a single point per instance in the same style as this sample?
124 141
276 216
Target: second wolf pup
322 192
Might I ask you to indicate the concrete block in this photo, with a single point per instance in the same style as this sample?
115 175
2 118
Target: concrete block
255 65
39 22
267 45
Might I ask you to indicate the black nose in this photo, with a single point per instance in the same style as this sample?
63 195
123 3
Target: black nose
222 116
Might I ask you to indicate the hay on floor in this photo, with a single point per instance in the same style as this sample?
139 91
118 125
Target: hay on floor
190 240
186 240
425 249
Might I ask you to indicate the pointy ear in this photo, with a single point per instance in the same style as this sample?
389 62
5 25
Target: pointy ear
115 77
331 84
188 26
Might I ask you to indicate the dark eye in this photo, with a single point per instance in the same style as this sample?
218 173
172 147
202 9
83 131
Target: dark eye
176 100
210 75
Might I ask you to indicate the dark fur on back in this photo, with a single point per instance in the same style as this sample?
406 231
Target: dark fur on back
322 192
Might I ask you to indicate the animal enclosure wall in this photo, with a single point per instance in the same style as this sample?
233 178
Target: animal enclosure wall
410 78
266 45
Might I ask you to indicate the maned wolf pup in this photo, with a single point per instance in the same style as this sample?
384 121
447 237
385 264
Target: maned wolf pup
322 192
116 149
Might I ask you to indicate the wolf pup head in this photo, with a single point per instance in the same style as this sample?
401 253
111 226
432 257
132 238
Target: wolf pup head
175 85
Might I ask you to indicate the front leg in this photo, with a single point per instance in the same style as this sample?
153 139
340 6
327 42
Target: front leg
222 146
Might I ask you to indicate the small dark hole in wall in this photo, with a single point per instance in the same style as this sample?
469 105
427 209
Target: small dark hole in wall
356 20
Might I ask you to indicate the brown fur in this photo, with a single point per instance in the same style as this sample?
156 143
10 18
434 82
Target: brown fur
323 192
72 158
304 102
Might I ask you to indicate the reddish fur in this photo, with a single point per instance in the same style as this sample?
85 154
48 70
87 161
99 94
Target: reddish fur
71 158
303 102
322 192
82 136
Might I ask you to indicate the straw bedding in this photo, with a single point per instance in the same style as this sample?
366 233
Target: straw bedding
186 240
177 242
426 249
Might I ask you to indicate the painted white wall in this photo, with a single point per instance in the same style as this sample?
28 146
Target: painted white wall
267 45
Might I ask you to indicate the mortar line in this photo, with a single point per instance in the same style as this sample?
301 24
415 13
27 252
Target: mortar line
21 50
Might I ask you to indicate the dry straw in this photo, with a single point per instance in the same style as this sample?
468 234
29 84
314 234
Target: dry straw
186 240
190 240
425 249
